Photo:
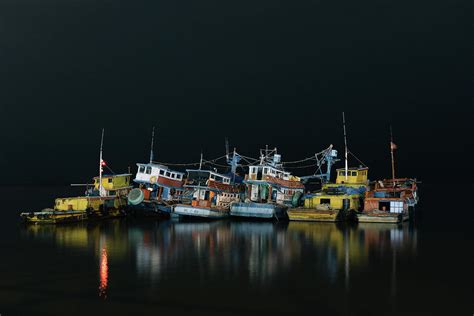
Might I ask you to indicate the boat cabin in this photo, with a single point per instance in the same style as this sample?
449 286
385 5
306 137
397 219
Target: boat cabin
393 196
354 176
113 184
211 189
260 172
151 173
162 182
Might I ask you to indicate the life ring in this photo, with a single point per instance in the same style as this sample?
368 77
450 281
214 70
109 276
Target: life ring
153 179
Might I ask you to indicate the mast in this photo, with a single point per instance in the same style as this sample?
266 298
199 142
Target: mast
101 163
152 141
345 143
200 162
392 147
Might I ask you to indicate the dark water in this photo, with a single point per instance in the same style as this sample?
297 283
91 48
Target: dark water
137 266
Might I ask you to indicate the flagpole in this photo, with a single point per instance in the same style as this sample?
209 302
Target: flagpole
391 153
100 163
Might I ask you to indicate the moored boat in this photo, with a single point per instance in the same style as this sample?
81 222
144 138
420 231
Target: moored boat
159 188
389 200
106 199
269 189
212 193
337 201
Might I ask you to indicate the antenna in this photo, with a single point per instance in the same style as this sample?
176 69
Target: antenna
101 162
200 162
345 143
227 148
151 146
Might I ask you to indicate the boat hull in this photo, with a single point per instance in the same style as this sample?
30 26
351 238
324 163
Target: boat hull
200 212
315 215
390 218
149 209
53 217
258 210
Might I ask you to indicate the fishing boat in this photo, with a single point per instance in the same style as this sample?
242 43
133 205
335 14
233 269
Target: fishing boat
389 200
269 189
159 188
337 201
105 199
211 192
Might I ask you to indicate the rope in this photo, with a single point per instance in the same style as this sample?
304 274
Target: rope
357 159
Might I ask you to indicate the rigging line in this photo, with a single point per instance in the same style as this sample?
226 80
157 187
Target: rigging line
358 159
301 167
110 169
298 161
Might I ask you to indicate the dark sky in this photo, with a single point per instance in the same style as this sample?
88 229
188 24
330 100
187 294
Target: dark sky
260 72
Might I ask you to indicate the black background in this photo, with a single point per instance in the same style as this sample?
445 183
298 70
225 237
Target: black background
259 72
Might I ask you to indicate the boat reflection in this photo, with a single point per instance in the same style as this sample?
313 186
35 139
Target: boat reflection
256 252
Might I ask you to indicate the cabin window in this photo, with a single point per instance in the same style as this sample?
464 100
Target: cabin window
179 177
212 176
148 170
325 201
162 172
265 170
252 169
168 173
354 173
173 175
110 180
142 169
226 180
219 178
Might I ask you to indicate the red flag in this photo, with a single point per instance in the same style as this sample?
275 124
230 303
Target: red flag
393 146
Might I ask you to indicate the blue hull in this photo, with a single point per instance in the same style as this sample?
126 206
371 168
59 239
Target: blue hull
258 210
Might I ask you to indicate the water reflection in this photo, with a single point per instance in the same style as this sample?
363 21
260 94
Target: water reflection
255 252
103 268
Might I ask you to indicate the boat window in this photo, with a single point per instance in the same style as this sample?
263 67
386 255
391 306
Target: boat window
110 180
212 176
354 173
226 180
142 169
168 173
265 170
148 170
173 175
342 173
162 172
325 201
219 178
179 177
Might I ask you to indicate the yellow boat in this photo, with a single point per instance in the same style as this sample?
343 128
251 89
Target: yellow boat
106 202
107 198
335 201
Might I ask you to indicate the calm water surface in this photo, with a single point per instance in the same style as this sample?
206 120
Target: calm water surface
138 266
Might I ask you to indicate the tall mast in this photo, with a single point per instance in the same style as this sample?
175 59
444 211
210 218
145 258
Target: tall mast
152 141
345 143
392 147
101 162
